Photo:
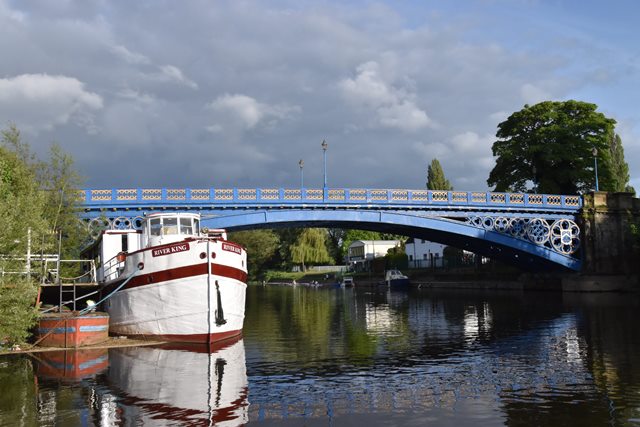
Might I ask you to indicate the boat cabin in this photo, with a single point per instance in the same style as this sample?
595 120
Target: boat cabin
163 228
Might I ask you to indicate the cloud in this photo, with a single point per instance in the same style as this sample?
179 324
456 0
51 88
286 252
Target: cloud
174 74
394 107
128 56
246 111
39 102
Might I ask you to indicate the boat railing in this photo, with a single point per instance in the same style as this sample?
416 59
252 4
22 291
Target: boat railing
52 276
113 267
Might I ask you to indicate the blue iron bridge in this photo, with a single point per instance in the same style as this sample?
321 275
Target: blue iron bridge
533 231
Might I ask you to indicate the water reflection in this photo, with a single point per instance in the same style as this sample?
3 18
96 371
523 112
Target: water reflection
350 356
182 384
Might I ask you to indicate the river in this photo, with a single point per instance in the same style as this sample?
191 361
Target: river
358 356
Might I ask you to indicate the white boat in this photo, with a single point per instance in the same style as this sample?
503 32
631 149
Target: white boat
182 283
395 279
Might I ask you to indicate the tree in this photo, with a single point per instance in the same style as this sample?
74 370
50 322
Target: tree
549 145
33 204
261 246
619 167
435 177
310 247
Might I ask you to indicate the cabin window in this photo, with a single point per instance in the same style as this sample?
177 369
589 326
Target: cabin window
125 243
155 226
196 225
185 226
170 226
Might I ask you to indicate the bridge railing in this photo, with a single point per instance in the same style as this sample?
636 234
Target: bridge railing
103 198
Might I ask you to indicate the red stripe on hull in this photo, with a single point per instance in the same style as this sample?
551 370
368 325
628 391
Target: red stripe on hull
180 273
191 338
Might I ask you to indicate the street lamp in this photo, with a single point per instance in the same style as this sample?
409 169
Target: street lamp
324 162
301 164
595 165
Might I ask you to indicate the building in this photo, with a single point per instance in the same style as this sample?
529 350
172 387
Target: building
424 254
362 252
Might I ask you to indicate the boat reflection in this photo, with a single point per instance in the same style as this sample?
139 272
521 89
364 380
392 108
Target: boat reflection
183 383
71 365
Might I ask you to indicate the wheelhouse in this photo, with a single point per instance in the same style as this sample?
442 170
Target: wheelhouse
161 228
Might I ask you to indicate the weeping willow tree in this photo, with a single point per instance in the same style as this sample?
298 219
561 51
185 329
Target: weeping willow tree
310 248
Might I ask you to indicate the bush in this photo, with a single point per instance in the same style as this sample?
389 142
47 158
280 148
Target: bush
18 313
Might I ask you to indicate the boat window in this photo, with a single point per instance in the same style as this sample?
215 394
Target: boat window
196 225
155 226
169 226
185 226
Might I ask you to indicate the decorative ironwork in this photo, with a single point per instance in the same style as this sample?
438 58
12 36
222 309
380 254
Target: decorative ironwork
292 194
100 195
378 194
562 236
127 194
440 196
315 194
223 194
336 195
270 194
357 194
565 236
152 194
247 194
200 194
400 195
420 195
176 194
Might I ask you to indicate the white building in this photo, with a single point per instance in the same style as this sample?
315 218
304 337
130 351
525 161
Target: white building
362 252
424 254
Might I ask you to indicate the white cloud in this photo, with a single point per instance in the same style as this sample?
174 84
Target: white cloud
128 56
39 102
174 74
394 107
246 111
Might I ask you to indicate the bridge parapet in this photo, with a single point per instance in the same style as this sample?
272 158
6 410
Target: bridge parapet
96 199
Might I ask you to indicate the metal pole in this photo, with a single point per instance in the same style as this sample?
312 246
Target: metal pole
29 252
301 164
324 162
595 165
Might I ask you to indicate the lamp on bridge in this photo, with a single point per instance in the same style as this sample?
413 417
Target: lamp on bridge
324 162
301 164
595 165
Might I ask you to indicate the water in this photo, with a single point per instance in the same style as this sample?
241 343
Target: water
356 357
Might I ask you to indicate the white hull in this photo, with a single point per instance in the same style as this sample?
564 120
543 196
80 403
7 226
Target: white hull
188 295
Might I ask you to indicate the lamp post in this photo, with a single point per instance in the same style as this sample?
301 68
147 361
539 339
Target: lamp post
301 164
535 187
324 161
595 165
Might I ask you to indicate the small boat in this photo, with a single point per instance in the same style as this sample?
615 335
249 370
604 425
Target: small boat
395 279
347 282
172 280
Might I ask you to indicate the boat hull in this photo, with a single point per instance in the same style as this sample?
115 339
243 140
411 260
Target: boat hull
184 298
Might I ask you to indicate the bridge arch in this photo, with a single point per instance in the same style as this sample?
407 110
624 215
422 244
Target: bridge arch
521 253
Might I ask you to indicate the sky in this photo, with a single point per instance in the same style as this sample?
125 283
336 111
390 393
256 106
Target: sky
234 93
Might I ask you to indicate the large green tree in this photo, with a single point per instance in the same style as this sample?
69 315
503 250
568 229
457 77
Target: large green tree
550 146
435 177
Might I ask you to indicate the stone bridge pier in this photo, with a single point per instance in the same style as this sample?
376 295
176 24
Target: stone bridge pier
610 244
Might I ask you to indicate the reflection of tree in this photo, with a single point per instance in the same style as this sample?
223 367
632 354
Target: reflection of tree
609 328
17 392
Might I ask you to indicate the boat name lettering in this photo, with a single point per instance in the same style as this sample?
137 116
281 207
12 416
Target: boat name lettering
231 248
167 250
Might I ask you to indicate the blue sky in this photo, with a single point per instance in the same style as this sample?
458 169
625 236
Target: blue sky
234 93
